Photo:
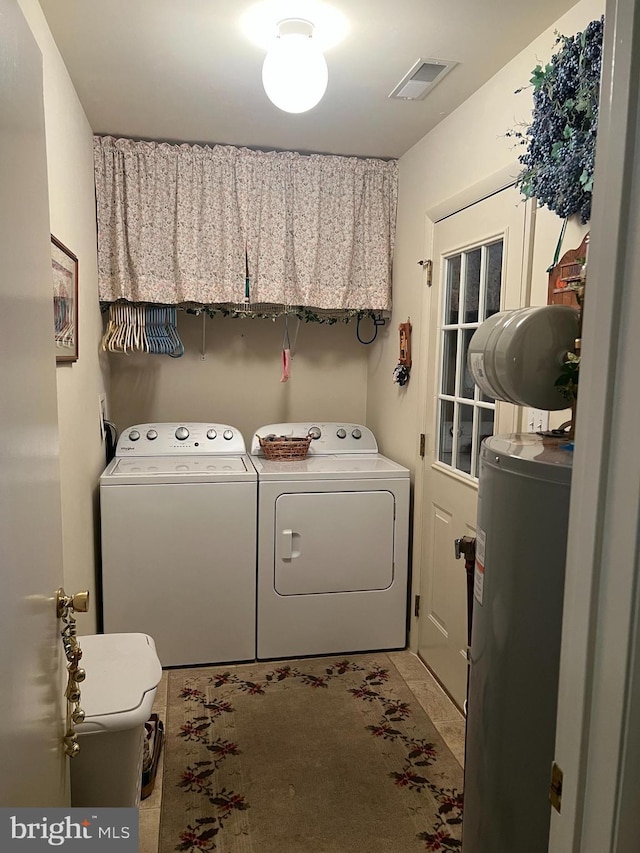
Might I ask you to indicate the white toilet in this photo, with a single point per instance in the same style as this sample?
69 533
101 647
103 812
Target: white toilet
123 672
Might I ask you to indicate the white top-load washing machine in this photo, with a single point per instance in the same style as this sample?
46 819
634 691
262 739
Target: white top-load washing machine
178 508
332 544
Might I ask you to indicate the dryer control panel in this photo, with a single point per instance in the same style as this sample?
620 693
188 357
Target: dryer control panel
176 439
325 438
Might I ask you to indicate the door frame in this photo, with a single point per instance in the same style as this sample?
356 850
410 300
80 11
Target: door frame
598 733
32 663
493 184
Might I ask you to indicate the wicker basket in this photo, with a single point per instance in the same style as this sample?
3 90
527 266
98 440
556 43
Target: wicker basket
285 447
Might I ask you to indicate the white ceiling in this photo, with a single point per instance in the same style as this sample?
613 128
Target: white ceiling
182 70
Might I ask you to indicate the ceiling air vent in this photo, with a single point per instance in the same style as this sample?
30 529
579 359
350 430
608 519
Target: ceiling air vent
421 79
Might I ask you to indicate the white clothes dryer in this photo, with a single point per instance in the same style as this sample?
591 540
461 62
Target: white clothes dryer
332 544
178 508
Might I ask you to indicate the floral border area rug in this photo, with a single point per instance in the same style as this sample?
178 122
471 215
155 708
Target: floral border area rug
324 755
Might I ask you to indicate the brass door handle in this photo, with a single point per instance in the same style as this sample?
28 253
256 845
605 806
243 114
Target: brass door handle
78 602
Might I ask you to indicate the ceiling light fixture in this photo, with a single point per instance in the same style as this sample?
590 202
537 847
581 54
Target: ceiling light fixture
294 73
260 21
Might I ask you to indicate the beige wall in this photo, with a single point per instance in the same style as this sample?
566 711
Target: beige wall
72 215
238 381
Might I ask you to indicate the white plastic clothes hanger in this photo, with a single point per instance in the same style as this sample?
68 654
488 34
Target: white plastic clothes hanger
142 329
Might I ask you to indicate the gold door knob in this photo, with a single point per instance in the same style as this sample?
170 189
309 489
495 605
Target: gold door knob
78 602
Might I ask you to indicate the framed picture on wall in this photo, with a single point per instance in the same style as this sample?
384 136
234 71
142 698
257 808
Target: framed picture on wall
64 268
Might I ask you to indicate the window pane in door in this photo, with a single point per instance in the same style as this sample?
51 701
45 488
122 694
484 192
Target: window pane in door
445 442
467 385
472 286
494 279
452 309
449 353
473 281
465 438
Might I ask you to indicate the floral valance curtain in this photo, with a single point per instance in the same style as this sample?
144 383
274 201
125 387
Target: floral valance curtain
183 223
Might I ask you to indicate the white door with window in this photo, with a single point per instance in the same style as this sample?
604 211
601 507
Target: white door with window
34 766
478 257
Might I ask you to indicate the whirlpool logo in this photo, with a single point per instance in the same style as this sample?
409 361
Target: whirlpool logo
75 829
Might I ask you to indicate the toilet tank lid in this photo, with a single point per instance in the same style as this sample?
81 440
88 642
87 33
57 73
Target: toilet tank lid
121 669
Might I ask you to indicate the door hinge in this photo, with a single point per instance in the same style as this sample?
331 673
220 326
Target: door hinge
423 441
416 606
427 266
555 788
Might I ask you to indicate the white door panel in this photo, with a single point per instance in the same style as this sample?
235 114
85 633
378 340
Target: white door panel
34 767
478 270
333 542
441 533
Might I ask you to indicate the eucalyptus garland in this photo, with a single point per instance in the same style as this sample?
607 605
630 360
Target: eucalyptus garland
561 139
271 312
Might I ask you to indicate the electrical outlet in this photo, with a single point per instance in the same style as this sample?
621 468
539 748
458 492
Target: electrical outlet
537 420
102 409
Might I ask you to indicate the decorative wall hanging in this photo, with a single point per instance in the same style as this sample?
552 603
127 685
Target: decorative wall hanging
575 271
403 368
189 224
561 139
64 270
566 278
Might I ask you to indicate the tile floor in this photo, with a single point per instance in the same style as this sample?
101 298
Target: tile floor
444 714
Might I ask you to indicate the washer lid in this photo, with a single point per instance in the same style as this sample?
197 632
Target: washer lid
330 467
121 670
176 469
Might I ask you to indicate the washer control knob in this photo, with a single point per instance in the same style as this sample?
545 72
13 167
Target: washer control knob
315 433
134 435
357 433
211 433
152 434
341 433
227 434
182 433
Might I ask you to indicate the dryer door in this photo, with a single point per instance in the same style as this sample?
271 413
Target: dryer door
333 542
